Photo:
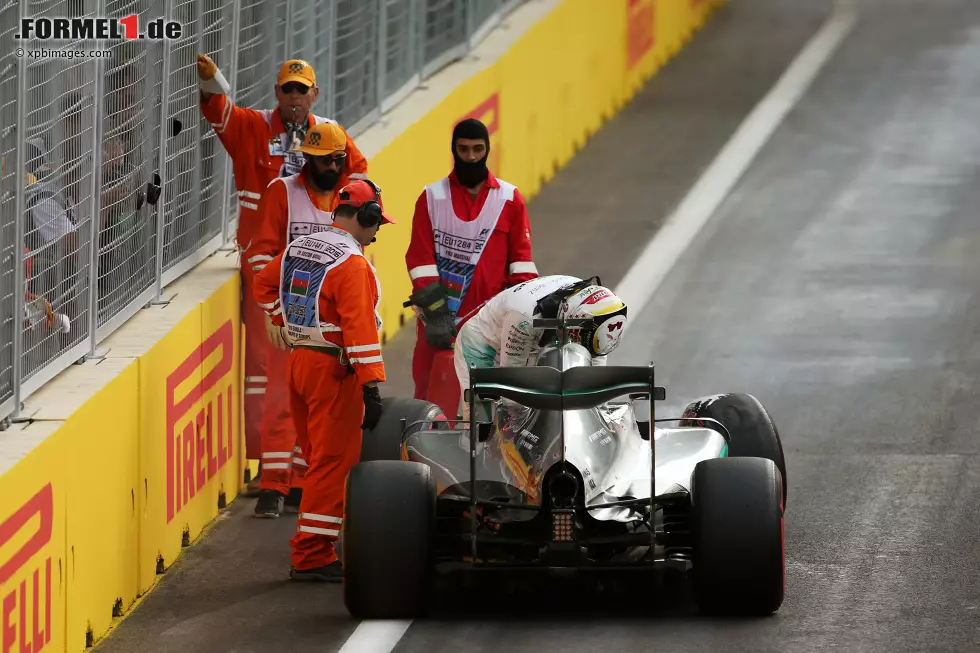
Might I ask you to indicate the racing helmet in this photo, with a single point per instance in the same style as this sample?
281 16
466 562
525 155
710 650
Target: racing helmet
608 315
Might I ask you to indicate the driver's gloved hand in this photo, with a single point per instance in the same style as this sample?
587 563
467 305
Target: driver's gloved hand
440 328
372 406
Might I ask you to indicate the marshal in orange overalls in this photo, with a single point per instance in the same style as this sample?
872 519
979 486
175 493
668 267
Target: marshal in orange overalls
326 293
291 207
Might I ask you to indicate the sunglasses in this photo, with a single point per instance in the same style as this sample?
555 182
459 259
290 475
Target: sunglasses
333 159
289 87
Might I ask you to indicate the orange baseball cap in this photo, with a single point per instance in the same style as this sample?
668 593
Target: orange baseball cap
356 193
322 139
297 70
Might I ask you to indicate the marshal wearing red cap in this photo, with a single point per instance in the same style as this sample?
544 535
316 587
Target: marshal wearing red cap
366 197
325 292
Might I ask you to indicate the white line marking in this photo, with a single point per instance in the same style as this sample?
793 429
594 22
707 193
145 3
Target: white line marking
679 230
378 636
704 198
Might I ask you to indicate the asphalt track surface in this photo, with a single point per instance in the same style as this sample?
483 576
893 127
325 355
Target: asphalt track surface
839 283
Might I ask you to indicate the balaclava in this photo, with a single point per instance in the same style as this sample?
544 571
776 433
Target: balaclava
471 174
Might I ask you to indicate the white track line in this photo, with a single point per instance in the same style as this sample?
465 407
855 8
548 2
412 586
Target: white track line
379 636
704 198
676 235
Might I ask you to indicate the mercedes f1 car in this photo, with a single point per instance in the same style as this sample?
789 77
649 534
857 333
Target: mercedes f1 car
557 469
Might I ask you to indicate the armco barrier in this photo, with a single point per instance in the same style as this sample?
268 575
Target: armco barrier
129 459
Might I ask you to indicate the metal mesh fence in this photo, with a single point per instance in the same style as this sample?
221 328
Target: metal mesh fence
480 13
10 258
59 123
89 140
444 33
399 61
192 207
355 88
130 134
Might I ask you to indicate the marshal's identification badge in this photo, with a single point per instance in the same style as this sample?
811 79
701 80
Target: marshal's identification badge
275 147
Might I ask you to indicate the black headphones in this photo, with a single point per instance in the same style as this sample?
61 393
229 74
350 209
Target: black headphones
368 213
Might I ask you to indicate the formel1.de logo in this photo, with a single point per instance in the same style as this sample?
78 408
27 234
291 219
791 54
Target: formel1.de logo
98 29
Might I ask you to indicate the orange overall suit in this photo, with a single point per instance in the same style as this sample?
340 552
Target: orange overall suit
290 208
326 293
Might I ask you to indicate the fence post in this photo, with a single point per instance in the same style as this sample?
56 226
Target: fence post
197 208
232 96
287 42
382 68
20 274
332 58
418 36
466 7
96 201
162 164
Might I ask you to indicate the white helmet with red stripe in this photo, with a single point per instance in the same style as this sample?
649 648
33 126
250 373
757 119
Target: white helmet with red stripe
608 314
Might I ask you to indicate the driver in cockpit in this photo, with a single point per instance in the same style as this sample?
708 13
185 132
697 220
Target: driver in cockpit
501 332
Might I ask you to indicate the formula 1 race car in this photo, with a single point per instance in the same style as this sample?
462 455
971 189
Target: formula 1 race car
556 469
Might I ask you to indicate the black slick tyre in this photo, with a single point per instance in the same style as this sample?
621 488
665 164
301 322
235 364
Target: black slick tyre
389 527
738 557
383 442
753 431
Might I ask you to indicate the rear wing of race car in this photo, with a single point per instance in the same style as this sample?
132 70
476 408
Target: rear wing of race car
548 388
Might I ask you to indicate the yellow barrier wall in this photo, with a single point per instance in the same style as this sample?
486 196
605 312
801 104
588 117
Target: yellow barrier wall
33 560
110 498
102 443
190 440
107 501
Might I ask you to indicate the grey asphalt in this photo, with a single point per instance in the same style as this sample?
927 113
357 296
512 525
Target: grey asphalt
839 283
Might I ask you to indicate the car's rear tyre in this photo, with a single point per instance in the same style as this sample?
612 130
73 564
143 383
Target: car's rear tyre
389 525
737 528
383 442
753 431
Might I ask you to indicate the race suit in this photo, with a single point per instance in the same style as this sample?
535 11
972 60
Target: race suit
257 143
326 292
288 209
501 333
475 246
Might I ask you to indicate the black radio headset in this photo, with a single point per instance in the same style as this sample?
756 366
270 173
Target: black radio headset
368 213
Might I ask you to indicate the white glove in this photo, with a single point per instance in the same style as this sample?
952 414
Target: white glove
275 334
296 141
210 78
62 323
